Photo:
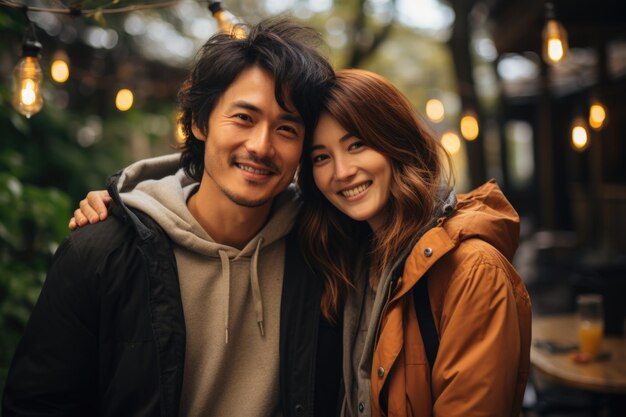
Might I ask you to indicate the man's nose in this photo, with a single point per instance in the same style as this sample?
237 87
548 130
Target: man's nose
260 142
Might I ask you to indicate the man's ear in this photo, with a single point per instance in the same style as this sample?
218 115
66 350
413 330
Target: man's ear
197 132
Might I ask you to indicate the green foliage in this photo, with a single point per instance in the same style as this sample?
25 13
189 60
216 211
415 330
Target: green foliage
32 222
47 164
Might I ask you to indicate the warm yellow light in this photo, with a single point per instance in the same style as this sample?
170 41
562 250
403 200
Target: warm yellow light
226 21
180 135
124 99
555 49
27 92
60 71
580 137
597 115
27 77
555 46
435 110
451 142
469 127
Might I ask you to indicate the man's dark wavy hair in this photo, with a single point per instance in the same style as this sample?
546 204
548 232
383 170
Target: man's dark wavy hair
281 46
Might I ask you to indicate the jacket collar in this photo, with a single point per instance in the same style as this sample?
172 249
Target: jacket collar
121 210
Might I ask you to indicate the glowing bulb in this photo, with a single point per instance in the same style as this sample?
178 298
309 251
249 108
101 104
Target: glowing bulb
555 45
451 142
226 21
469 127
27 92
597 115
60 70
27 77
580 138
555 49
435 110
124 99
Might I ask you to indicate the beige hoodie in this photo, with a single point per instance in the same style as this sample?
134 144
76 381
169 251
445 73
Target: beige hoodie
231 298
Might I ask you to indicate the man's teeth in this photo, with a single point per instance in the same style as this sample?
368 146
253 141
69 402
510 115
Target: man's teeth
253 170
356 190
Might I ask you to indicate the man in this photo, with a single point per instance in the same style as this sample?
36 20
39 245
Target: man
193 299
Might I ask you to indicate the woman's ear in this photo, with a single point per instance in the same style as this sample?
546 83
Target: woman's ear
197 132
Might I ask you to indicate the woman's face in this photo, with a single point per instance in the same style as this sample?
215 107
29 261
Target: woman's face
352 176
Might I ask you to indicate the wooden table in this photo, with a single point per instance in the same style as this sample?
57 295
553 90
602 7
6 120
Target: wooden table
606 376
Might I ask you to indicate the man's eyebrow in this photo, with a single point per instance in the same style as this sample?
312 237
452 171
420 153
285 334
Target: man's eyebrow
289 117
245 105
341 139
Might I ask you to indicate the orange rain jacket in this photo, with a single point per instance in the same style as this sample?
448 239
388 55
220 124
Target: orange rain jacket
481 311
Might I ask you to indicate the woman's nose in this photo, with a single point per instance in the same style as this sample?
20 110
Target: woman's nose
344 169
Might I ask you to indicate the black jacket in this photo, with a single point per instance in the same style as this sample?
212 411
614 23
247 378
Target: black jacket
107 335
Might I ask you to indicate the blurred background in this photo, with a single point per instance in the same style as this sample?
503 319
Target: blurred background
527 92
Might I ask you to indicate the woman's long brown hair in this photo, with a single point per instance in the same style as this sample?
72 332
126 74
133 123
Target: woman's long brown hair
372 109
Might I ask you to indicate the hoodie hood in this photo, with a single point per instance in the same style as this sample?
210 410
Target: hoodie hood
157 187
486 214
160 189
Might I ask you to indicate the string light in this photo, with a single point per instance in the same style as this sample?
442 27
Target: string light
60 70
124 99
597 115
27 77
435 110
226 21
76 12
555 45
469 126
580 136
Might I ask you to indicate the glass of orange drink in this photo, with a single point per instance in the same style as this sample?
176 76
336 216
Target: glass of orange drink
590 323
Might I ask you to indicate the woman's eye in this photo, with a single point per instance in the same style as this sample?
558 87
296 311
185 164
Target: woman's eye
319 158
356 145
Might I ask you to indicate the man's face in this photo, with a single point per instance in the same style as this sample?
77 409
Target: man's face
253 145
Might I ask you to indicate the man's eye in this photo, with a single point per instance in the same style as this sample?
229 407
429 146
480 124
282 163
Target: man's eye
289 129
243 117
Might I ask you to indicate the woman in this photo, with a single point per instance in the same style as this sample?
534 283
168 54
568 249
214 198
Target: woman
381 225
386 224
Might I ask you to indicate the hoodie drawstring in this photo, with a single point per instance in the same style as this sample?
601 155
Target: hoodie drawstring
257 299
256 289
226 276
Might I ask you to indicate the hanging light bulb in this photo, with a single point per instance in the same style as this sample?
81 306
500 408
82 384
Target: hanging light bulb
27 77
469 126
580 136
597 115
226 21
60 69
555 46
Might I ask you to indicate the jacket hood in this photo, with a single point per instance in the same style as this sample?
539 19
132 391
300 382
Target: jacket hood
486 214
